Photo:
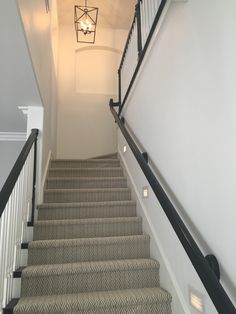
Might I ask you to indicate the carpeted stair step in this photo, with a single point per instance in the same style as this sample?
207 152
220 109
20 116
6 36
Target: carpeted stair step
109 156
86 195
60 211
87 228
85 172
89 276
90 249
87 163
129 301
86 183
89 254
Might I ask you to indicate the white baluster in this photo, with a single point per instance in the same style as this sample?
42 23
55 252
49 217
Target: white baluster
12 224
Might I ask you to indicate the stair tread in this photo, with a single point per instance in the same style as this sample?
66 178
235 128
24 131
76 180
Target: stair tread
85 182
107 156
87 160
92 190
105 171
87 221
86 204
89 267
86 178
88 249
38 244
85 168
91 300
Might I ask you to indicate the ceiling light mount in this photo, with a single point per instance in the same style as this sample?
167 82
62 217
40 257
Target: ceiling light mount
85 19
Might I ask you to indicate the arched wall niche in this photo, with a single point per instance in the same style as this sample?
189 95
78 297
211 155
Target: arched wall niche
96 70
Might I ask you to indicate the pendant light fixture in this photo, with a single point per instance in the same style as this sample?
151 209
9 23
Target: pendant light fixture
85 23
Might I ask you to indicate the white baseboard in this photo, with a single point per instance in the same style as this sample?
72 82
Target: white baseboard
16 293
150 229
44 178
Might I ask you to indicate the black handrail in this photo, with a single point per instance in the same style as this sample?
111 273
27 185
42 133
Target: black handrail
201 264
141 53
8 187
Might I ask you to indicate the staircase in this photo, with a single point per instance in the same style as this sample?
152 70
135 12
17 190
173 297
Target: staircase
89 254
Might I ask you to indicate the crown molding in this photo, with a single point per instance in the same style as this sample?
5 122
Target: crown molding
24 109
12 136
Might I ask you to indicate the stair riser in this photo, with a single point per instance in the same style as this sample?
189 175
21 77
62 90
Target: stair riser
84 196
133 301
80 213
86 184
86 172
147 308
85 282
86 230
85 164
94 252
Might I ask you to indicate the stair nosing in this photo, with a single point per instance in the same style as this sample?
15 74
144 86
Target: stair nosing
86 168
86 160
88 220
88 190
89 267
108 294
87 204
55 243
87 178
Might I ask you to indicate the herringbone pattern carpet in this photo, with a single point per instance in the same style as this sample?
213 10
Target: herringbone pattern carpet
89 254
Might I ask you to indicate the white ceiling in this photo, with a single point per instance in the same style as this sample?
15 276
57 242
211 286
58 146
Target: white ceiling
117 14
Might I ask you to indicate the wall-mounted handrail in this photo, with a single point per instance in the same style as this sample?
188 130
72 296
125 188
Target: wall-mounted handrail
202 265
15 172
142 44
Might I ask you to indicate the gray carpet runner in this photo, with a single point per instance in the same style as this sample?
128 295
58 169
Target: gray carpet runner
89 254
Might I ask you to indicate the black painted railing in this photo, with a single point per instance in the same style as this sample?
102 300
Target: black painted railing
206 266
146 18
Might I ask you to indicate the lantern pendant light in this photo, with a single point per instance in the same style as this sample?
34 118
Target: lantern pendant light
85 23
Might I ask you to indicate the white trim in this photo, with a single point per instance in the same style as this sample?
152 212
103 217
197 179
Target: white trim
35 121
44 178
24 109
12 136
139 200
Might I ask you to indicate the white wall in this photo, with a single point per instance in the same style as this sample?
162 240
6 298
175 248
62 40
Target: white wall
177 274
41 33
17 82
87 80
183 112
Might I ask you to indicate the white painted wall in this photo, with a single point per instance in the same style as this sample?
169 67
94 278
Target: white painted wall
17 82
182 111
177 274
87 80
41 33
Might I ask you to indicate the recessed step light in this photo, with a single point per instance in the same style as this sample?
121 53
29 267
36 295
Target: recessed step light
196 301
145 192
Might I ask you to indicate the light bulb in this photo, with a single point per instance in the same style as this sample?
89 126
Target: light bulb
86 26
